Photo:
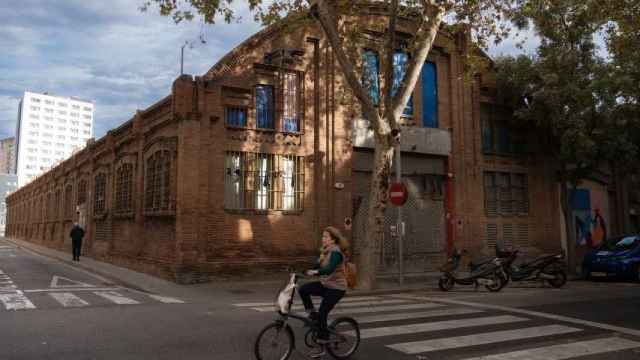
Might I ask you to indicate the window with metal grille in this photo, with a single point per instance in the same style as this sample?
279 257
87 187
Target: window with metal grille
290 92
82 192
100 186
68 202
236 117
505 194
258 181
265 107
124 186
157 190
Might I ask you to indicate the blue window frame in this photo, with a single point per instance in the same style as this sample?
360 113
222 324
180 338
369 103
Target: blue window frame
370 78
264 107
236 117
429 95
400 61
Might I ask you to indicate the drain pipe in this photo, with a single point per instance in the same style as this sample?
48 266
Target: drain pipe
450 205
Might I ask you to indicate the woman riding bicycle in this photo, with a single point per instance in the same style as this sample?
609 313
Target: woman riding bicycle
332 285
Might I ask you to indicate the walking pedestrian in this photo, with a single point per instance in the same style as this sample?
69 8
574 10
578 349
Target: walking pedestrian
77 233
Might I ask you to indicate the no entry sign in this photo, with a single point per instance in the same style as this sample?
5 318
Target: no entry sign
398 194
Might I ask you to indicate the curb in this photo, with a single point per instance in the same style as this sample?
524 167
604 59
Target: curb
113 280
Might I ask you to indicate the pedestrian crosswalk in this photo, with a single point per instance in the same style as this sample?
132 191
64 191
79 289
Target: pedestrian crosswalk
13 299
410 326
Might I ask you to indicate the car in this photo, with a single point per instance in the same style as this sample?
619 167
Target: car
618 256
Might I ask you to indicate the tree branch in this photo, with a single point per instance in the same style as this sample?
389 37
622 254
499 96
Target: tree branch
425 36
328 20
390 49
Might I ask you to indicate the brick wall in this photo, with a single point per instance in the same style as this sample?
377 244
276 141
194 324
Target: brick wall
197 235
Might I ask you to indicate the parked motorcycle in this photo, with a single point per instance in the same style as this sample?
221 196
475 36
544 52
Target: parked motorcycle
489 274
548 268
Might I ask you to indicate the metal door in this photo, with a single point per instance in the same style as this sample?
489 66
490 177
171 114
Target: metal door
423 215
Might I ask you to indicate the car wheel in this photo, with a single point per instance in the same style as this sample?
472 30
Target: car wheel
638 272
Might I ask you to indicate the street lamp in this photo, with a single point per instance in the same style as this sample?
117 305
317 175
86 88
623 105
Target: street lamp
190 43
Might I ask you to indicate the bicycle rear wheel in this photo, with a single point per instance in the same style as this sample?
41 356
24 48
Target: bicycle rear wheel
275 342
344 338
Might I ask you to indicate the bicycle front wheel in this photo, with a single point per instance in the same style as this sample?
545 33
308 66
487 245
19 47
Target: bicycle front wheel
275 342
344 338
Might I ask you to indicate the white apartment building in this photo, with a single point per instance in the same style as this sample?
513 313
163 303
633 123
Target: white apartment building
50 129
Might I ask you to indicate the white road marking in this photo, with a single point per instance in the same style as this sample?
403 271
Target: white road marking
165 299
8 287
340 305
439 325
70 283
417 347
16 301
343 300
619 329
68 300
116 297
70 289
416 315
566 351
376 309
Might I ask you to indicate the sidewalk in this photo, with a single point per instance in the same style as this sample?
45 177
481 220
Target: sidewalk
111 273
238 285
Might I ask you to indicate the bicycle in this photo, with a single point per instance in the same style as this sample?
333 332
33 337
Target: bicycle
344 332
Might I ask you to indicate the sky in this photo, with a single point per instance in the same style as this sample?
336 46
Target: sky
108 52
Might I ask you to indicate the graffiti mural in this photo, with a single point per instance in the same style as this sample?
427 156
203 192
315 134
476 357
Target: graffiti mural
591 228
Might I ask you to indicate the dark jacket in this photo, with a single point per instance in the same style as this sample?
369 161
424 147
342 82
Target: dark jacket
76 233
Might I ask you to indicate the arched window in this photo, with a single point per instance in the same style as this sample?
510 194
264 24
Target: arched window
82 192
157 187
57 205
124 188
68 202
49 207
99 201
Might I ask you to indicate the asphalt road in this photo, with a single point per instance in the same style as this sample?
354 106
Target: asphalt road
50 310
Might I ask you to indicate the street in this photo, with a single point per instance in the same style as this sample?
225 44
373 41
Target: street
52 310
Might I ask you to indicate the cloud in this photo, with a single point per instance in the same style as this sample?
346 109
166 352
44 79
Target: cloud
107 52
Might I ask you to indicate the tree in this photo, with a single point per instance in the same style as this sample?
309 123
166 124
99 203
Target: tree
568 92
482 18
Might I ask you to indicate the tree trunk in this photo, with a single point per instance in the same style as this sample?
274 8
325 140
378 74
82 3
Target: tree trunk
378 198
569 225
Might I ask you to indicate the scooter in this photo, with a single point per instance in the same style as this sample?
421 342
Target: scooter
549 268
491 274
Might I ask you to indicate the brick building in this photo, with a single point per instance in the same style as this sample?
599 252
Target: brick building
243 166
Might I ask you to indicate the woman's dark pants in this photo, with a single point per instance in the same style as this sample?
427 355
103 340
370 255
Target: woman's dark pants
330 298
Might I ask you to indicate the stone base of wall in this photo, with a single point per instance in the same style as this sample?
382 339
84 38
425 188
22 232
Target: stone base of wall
248 269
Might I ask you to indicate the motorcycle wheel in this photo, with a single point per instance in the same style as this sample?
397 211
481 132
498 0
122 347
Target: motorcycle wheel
560 279
445 283
499 283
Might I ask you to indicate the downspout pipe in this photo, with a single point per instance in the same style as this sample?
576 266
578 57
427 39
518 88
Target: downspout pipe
449 203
